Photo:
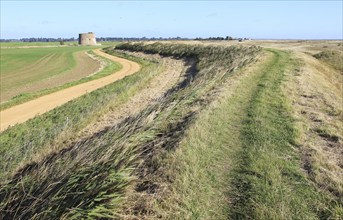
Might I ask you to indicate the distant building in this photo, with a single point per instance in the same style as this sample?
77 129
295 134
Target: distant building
87 39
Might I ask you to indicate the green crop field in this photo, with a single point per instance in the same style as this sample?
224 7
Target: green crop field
208 130
25 70
31 44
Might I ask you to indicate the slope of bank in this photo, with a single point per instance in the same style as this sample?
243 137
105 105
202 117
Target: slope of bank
241 159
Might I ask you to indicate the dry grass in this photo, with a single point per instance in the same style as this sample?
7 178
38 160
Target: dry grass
170 73
332 57
317 97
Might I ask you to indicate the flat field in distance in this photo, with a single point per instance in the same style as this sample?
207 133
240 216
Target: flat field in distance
35 44
25 70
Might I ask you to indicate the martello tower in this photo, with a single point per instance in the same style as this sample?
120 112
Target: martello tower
87 38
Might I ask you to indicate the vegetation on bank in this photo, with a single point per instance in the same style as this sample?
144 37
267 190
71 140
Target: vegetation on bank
203 151
332 57
269 182
240 159
89 178
21 143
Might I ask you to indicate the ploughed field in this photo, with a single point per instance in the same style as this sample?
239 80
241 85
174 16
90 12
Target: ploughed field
204 130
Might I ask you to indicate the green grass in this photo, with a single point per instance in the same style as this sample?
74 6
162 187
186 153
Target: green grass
240 160
25 44
185 157
14 59
268 183
24 97
92 177
201 164
22 67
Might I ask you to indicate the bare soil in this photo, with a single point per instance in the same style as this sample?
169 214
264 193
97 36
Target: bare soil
28 110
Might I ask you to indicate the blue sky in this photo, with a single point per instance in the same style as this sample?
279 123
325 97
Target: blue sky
254 19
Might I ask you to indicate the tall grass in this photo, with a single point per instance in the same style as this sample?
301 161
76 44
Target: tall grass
90 178
332 57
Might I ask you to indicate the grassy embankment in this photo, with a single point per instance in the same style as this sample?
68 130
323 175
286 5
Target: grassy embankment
57 62
332 57
90 178
240 160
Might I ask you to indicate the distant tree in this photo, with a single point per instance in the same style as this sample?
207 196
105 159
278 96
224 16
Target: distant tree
61 42
229 38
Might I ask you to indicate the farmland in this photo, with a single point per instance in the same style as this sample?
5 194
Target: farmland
26 70
50 70
204 130
33 44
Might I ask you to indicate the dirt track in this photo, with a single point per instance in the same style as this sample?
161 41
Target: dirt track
28 110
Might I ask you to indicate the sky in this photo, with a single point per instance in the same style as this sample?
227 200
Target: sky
252 19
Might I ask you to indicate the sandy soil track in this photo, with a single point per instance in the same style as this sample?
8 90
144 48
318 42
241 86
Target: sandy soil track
28 110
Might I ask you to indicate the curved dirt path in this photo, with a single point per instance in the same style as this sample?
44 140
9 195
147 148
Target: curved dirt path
28 110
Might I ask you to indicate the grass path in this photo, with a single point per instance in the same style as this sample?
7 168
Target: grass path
267 180
240 160
204 156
